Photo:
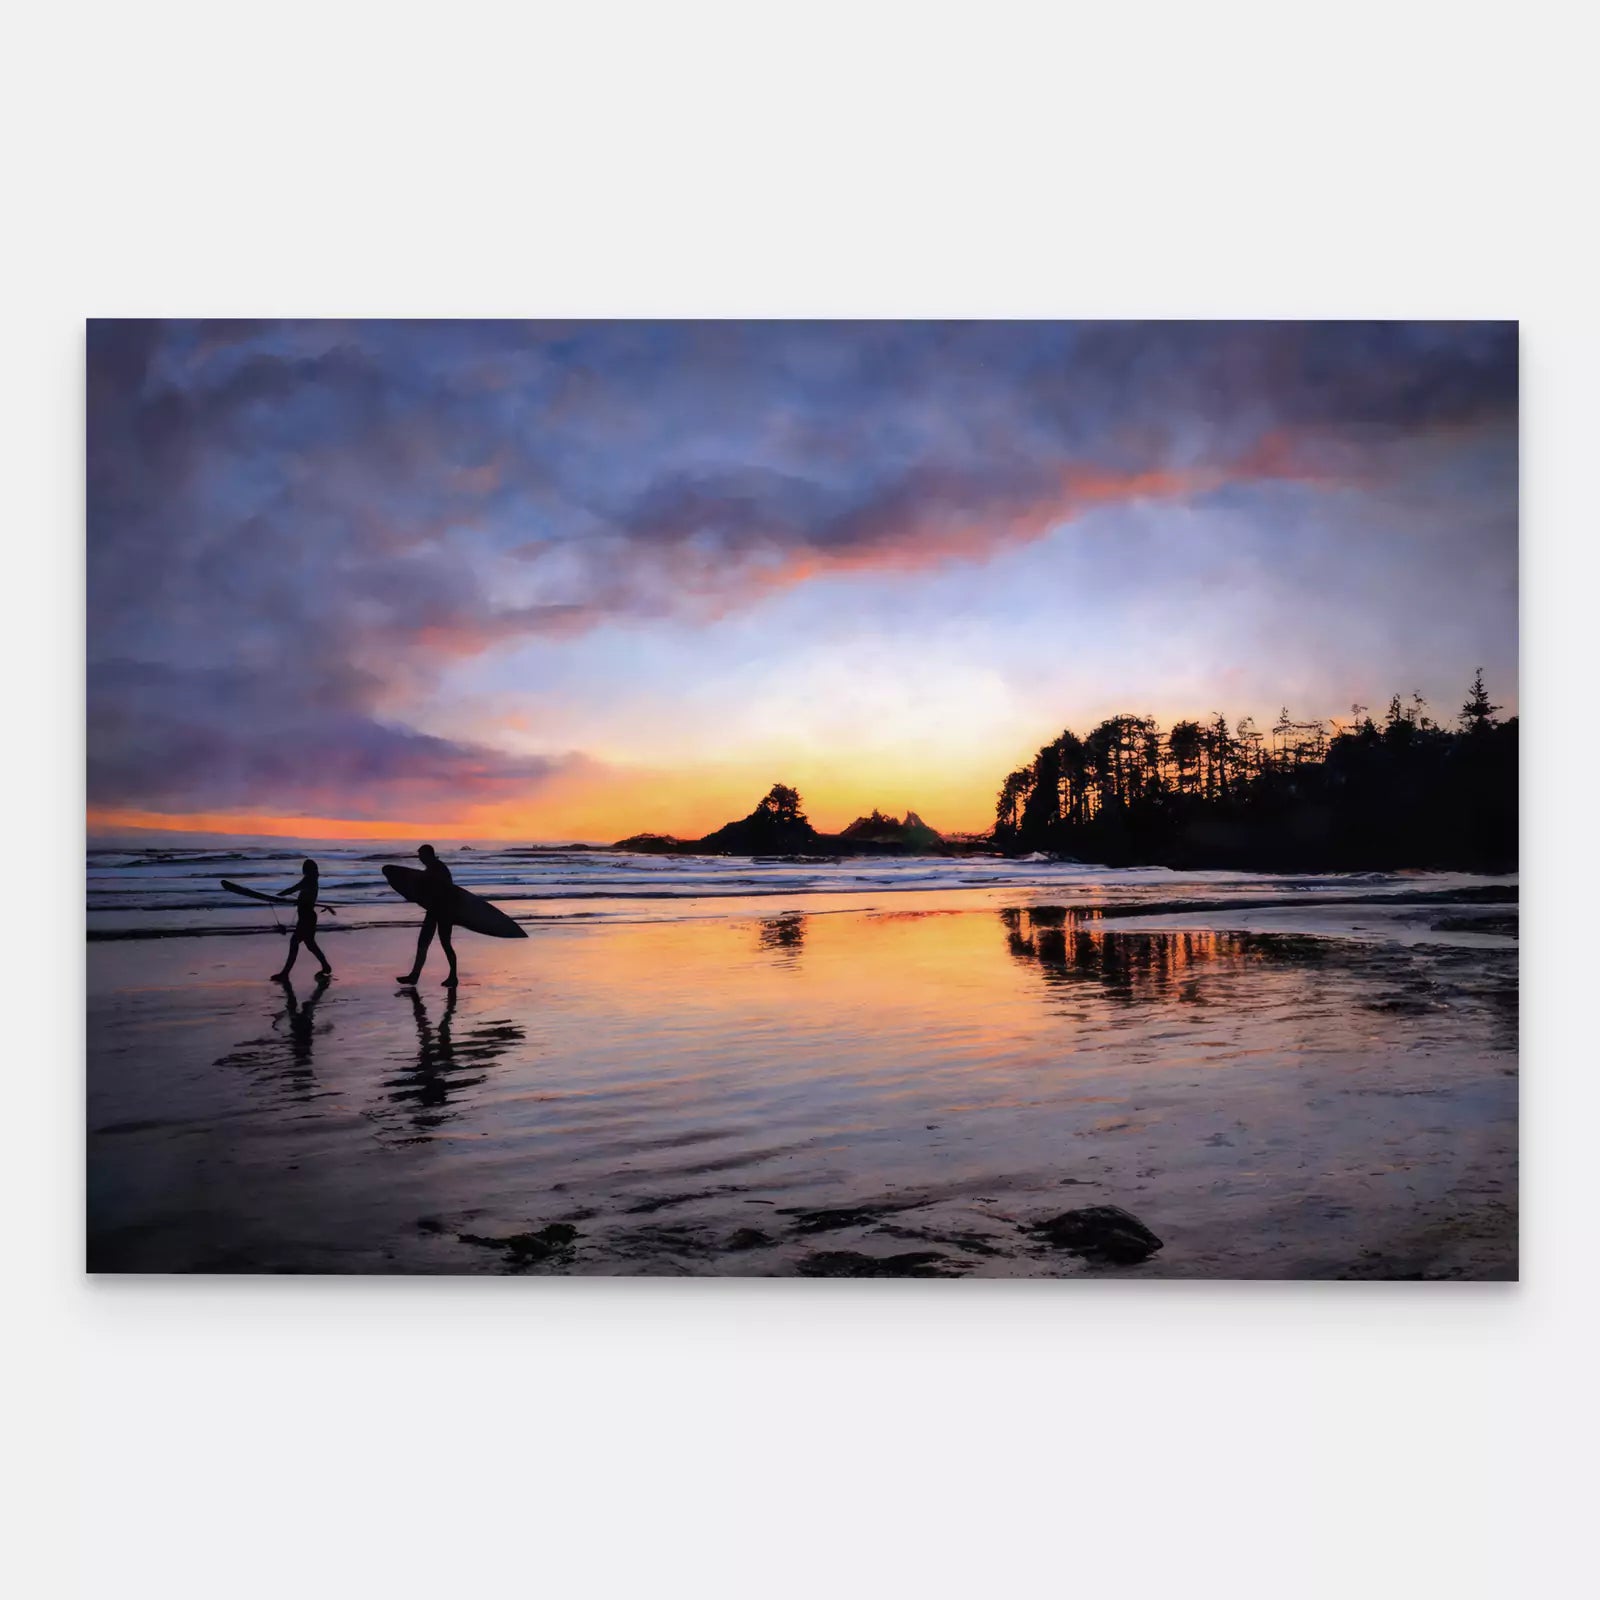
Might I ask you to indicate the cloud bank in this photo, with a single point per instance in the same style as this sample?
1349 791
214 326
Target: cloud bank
294 529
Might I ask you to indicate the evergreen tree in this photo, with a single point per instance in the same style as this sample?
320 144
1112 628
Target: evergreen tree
1183 745
1477 714
1370 796
781 804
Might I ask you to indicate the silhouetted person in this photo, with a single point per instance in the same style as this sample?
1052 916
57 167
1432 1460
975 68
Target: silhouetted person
438 887
305 921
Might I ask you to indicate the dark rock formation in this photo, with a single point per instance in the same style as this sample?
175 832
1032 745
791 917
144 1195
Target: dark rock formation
852 1264
1105 1232
524 1249
650 844
826 1221
889 833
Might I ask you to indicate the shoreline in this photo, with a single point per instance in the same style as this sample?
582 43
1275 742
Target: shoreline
120 909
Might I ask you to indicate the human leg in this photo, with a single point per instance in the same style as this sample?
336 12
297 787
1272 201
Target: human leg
294 950
424 939
316 950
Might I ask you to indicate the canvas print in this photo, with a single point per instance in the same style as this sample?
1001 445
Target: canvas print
821 800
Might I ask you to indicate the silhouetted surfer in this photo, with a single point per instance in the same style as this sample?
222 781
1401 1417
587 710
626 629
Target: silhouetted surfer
436 903
305 921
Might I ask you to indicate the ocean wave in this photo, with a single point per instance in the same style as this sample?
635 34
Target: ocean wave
165 892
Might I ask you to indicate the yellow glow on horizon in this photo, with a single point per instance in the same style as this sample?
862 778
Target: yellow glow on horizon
950 783
604 806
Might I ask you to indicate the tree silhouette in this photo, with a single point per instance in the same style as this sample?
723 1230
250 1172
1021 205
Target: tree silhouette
1406 793
1183 744
1042 806
1008 805
781 804
1477 714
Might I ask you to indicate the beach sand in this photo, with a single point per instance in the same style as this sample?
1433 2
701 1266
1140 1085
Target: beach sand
855 1092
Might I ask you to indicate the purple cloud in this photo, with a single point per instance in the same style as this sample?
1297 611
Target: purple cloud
295 528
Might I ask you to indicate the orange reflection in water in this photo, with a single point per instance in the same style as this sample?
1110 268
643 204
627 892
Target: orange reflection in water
897 999
1144 966
665 1087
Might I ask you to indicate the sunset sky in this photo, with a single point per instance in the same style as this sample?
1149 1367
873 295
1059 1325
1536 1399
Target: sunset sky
477 580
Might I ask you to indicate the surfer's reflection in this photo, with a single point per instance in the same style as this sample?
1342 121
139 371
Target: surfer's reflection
299 1015
285 1057
433 1087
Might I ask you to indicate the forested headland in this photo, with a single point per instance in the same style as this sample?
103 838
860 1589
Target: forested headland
1373 793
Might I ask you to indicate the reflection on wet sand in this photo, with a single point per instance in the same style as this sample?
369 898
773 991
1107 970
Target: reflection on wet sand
285 1058
433 1087
783 937
1070 946
1201 966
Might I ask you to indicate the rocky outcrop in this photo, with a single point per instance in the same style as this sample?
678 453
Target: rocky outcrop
888 832
1106 1233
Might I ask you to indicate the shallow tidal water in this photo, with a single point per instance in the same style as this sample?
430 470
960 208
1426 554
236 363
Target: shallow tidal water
1310 1085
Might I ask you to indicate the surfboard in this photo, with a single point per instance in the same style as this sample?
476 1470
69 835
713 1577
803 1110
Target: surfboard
256 894
466 909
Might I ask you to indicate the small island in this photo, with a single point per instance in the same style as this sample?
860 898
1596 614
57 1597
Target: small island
779 827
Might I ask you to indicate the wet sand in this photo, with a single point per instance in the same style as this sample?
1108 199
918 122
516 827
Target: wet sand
861 1092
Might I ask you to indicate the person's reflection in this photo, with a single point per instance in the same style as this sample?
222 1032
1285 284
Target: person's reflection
426 1086
302 1027
432 1086
282 1058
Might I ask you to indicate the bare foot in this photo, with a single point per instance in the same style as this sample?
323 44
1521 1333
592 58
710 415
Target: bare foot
408 982
450 982
280 977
